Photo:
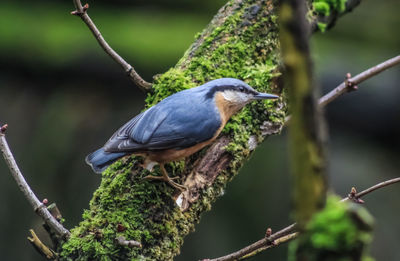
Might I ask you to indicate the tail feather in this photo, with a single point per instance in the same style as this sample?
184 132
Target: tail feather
100 160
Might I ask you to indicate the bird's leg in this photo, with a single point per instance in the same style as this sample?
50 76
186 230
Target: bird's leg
167 179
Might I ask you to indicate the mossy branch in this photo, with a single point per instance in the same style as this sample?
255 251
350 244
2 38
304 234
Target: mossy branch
240 42
305 131
323 14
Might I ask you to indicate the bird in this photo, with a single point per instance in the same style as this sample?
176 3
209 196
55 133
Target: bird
177 126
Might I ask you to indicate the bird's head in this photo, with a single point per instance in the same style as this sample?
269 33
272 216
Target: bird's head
235 92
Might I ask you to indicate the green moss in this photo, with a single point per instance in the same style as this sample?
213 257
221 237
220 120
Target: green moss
322 26
174 80
243 46
332 228
324 7
341 231
235 56
125 204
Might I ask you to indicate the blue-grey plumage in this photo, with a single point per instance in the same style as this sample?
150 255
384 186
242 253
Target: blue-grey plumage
175 122
179 125
100 160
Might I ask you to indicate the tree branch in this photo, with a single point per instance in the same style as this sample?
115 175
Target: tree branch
260 244
239 41
349 84
275 243
40 247
288 233
38 206
354 195
81 11
306 133
329 20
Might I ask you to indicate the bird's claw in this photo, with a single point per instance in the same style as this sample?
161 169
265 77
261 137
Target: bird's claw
159 177
169 180
180 187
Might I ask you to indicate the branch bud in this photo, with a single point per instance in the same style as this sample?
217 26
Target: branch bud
268 233
3 128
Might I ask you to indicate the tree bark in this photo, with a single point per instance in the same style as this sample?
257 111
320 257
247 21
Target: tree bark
240 42
306 132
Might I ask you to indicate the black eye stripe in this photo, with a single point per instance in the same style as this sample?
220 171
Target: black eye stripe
222 88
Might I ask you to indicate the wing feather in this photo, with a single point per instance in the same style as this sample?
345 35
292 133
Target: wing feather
176 122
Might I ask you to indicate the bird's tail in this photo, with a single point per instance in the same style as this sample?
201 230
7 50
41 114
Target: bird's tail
100 160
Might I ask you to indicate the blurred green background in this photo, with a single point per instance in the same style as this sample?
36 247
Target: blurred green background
63 97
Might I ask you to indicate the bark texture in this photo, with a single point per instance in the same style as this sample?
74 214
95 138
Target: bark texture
241 42
305 129
338 231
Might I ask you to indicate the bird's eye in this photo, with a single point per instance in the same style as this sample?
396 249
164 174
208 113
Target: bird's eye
241 88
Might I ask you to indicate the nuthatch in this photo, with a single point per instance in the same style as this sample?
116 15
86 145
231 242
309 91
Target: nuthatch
178 126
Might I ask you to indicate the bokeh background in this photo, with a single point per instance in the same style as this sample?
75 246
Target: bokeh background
62 98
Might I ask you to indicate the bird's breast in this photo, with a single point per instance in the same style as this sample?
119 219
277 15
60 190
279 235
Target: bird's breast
226 108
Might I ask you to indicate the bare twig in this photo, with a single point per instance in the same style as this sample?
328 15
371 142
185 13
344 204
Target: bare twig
275 243
350 84
288 233
262 243
343 87
3 129
129 243
81 11
38 206
40 247
354 195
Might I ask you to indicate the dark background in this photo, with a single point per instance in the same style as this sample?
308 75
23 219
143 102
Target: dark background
63 97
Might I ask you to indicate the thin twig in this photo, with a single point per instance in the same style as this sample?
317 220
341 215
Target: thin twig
350 84
40 247
129 243
354 195
262 243
275 243
38 206
288 233
81 11
343 87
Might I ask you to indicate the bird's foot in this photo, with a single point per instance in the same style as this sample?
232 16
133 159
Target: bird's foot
169 180
159 177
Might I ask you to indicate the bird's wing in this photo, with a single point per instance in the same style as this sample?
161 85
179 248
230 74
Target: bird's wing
173 123
129 133
125 130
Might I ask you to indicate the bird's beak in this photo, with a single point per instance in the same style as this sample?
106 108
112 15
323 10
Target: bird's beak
264 96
